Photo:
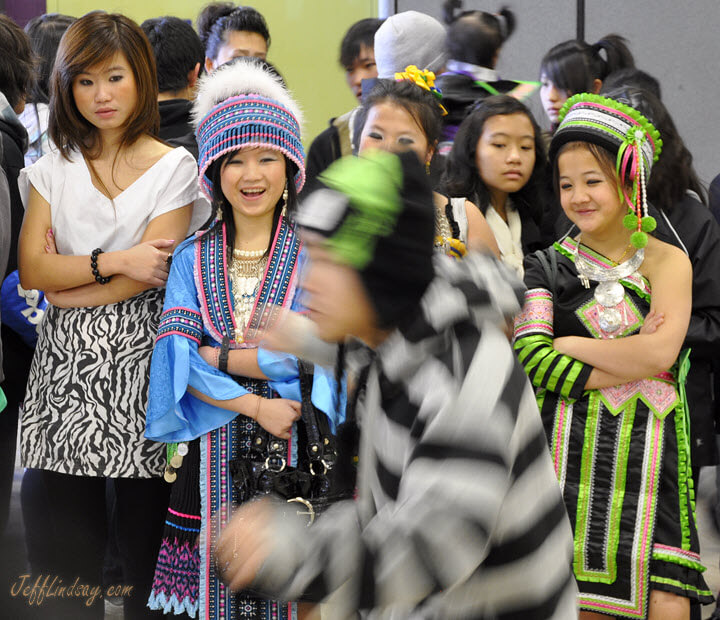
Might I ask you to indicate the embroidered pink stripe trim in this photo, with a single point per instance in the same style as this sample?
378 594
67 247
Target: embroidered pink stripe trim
643 551
538 294
182 514
615 112
678 551
558 437
291 287
174 332
208 537
264 103
265 284
204 304
181 308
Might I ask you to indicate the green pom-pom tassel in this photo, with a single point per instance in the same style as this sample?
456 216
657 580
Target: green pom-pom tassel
630 221
639 239
649 224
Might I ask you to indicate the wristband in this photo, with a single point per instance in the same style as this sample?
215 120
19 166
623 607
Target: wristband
223 357
94 267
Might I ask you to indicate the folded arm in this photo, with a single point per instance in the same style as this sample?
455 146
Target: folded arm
69 280
644 355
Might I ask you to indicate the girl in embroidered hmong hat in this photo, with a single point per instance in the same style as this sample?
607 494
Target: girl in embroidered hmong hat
600 335
211 390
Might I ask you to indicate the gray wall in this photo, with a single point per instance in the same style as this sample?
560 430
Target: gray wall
677 42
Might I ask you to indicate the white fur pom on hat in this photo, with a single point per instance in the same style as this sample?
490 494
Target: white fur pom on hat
241 77
244 104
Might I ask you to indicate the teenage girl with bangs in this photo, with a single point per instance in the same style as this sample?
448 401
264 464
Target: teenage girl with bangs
498 162
103 214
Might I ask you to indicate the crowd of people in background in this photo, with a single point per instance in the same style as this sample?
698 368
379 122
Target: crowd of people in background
444 365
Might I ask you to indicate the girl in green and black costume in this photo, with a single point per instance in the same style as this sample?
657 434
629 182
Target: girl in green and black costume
600 334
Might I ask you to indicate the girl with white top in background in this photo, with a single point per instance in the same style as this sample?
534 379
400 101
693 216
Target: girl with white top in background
498 162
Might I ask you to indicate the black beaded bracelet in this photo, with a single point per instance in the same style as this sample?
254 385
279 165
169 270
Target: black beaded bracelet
224 352
93 265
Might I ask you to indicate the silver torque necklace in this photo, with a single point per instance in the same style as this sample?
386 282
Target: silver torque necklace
609 293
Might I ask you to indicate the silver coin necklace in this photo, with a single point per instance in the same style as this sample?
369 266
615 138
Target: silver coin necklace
609 293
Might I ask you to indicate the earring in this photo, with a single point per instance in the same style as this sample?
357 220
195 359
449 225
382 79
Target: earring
285 199
427 167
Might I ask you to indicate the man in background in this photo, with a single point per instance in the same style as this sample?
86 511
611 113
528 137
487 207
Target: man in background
357 57
179 55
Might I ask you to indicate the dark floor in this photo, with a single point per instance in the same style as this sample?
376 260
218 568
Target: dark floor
13 564
13 556
15 601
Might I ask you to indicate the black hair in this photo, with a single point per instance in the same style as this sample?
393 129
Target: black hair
45 32
419 103
177 50
632 77
461 177
360 34
573 66
16 62
673 173
220 202
218 18
475 37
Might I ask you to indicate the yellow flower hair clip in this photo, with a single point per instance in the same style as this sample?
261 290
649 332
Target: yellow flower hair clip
423 79
454 248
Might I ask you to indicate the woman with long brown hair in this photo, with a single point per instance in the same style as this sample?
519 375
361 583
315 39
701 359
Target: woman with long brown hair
103 214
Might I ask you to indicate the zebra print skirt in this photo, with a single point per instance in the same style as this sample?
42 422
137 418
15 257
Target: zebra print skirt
84 409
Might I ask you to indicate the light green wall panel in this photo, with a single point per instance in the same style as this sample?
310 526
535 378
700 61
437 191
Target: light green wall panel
306 37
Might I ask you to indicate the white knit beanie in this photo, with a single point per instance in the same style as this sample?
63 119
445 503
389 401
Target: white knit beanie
409 38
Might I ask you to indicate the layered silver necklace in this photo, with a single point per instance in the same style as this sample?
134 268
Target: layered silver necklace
246 271
609 293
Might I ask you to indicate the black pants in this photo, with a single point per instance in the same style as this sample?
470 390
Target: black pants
17 357
78 518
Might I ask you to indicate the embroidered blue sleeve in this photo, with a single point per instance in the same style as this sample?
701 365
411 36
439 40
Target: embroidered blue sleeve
173 413
181 322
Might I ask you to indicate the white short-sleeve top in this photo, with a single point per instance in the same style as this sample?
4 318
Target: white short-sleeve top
83 218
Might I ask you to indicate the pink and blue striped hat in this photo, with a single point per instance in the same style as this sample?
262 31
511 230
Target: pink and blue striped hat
243 104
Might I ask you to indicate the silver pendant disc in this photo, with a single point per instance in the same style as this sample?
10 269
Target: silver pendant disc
609 294
609 319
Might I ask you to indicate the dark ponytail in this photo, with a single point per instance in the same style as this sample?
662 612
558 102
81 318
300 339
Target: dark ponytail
617 56
448 10
573 66
508 17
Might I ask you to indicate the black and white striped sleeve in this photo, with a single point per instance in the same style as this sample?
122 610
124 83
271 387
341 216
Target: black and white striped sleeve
469 522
